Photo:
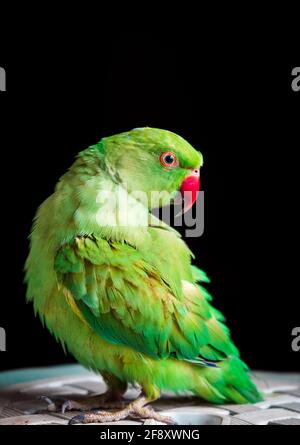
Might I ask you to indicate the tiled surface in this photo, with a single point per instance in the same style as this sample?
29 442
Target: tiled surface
20 404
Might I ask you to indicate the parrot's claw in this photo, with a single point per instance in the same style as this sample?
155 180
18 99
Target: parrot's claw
107 400
66 406
52 406
76 419
134 410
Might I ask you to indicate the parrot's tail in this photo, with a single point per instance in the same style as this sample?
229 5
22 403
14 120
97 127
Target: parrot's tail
229 382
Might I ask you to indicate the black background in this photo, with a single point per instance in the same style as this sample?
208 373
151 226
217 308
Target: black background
232 100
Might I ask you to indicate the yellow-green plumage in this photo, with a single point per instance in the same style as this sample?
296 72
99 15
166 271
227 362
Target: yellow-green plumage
124 298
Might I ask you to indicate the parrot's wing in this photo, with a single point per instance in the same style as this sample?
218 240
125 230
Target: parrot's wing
125 301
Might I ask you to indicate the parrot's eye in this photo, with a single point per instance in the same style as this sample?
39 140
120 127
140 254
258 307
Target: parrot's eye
168 159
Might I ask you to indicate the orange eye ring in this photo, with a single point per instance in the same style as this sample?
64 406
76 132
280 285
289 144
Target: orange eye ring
168 159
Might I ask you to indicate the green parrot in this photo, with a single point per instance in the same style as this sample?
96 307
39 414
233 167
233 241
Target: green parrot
117 287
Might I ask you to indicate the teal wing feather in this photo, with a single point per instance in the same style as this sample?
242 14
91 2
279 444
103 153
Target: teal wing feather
125 301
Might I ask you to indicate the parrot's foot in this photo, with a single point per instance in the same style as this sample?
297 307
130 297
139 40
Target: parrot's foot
111 399
135 409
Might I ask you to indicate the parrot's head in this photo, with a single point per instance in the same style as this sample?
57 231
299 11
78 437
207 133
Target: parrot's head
152 160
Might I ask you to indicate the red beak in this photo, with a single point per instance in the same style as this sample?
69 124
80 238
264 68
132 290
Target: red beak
189 190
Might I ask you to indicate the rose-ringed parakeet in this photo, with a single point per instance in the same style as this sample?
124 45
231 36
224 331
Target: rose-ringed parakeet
122 296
